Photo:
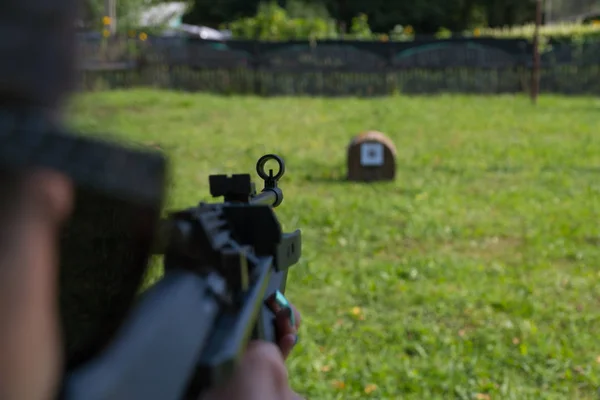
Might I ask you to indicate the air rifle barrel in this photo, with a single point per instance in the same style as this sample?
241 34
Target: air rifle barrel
268 197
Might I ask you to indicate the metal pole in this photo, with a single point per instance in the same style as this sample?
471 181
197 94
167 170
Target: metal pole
110 10
341 15
535 72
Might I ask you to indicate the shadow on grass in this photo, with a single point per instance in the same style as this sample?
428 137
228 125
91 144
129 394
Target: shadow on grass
376 186
503 169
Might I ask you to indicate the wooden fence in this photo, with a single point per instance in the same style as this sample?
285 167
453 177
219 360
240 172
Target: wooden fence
338 68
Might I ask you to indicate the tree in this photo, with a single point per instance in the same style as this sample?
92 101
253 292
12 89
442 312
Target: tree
213 13
425 16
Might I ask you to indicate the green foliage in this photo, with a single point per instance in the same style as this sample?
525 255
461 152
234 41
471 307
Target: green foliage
360 28
473 276
402 33
304 10
567 32
443 33
275 23
272 22
303 19
425 16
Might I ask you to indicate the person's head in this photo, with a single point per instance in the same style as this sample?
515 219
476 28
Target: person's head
37 49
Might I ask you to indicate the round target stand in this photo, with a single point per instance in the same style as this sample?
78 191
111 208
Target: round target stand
371 158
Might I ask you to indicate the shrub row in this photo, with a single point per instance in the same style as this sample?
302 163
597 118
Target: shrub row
273 23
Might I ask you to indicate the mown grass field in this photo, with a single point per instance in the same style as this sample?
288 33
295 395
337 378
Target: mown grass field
476 275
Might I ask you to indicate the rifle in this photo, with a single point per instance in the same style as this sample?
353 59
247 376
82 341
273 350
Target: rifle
225 265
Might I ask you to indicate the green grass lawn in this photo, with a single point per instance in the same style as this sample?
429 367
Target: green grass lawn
476 275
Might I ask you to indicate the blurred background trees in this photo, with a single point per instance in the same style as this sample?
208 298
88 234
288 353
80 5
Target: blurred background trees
425 16
352 18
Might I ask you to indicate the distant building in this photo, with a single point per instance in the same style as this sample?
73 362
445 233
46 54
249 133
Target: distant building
170 16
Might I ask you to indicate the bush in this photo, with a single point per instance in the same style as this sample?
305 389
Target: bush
273 22
560 32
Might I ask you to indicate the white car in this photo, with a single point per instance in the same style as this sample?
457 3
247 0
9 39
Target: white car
204 32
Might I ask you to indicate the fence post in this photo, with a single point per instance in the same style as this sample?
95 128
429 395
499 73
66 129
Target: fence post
391 75
255 65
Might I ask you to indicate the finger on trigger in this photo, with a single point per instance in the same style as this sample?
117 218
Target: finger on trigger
286 344
283 321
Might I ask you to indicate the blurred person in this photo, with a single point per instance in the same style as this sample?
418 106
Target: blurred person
37 70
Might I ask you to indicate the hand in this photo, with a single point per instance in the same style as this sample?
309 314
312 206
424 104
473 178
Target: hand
287 333
262 374
30 348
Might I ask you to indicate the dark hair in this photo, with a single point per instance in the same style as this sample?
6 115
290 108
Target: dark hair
37 49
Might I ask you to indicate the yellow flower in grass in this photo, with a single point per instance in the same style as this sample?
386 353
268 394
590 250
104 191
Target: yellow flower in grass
105 33
143 37
409 30
477 32
370 388
106 21
338 384
357 312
